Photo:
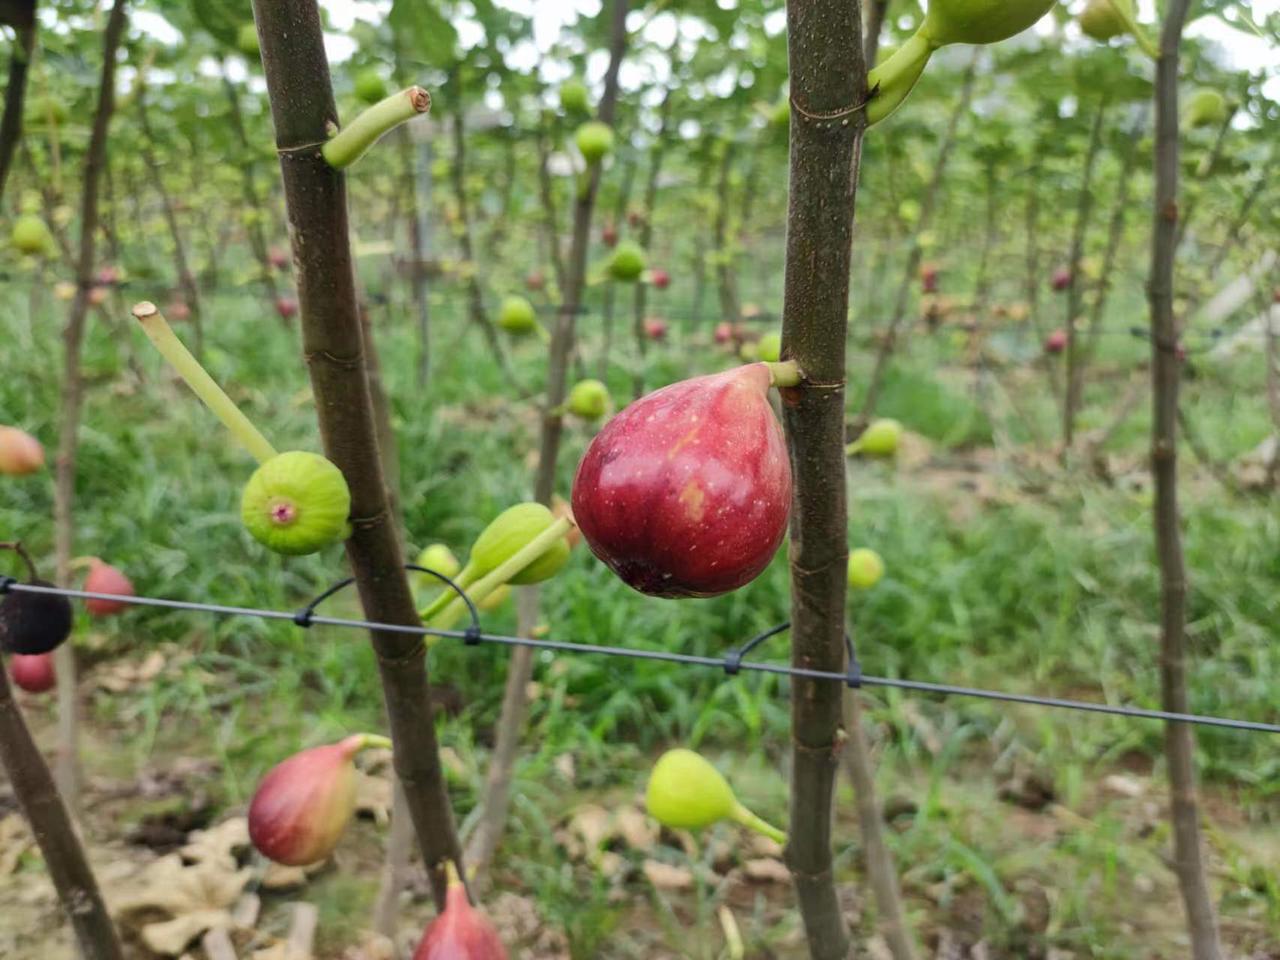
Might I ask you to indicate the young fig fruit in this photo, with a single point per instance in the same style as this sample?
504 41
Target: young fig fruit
655 328
517 316
104 578
660 279
865 568
369 85
1102 20
33 673
589 399
685 792
20 452
594 140
304 804
627 263
504 537
1206 107
1061 280
286 307
1055 342
769 347
880 439
32 623
440 558
296 503
31 236
685 493
574 97
460 932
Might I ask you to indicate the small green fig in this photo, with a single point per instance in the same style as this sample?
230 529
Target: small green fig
865 568
503 538
517 316
440 558
686 792
769 347
247 40
589 399
1104 19
574 97
594 140
369 85
1206 107
881 439
627 263
31 236
296 503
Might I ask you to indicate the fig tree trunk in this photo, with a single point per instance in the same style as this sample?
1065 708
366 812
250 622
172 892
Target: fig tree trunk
302 106
828 86
22 17
1179 740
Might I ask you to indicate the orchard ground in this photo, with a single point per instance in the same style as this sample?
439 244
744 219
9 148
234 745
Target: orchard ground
1019 832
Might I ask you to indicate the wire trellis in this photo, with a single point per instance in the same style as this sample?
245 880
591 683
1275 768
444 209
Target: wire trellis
732 663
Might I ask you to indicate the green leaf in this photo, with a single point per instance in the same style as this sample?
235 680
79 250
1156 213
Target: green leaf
423 33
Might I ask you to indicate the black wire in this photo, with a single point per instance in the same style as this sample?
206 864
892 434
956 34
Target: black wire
665 656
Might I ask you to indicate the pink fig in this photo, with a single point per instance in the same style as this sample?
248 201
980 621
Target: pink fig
104 578
1055 342
278 258
178 310
655 328
609 235
20 452
929 278
723 332
535 281
1061 279
460 932
108 276
685 493
304 803
33 673
660 279
286 307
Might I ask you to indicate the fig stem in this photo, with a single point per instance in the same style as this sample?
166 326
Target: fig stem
785 373
353 141
1135 28
374 740
188 367
746 818
17 547
463 580
504 572
893 80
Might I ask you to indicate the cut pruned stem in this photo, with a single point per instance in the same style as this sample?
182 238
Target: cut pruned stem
828 78
353 141
202 385
1184 813
63 855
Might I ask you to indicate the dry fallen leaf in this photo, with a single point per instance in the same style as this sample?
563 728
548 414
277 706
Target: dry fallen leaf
666 877
196 897
15 840
218 844
1123 786
766 870
172 937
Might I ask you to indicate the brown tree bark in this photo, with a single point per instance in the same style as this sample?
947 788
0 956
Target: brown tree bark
1165 368
64 483
302 105
828 88
24 47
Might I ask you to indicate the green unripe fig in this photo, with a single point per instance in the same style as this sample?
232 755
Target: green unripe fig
504 537
1104 19
865 568
517 316
594 139
296 503
589 399
437 557
685 792
627 262
574 97
369 85
1206 107
769 347
881 439
247 40
31 236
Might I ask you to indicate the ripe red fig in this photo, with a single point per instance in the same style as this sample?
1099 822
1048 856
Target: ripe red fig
304 803
655 328
177 310
278 258
1061 279
108 276
20 452
685 493
1055 342
98 295
723 332
1180 351
286 307
535 281
33 673
929 278
660 279
104 578
609 235
460 932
